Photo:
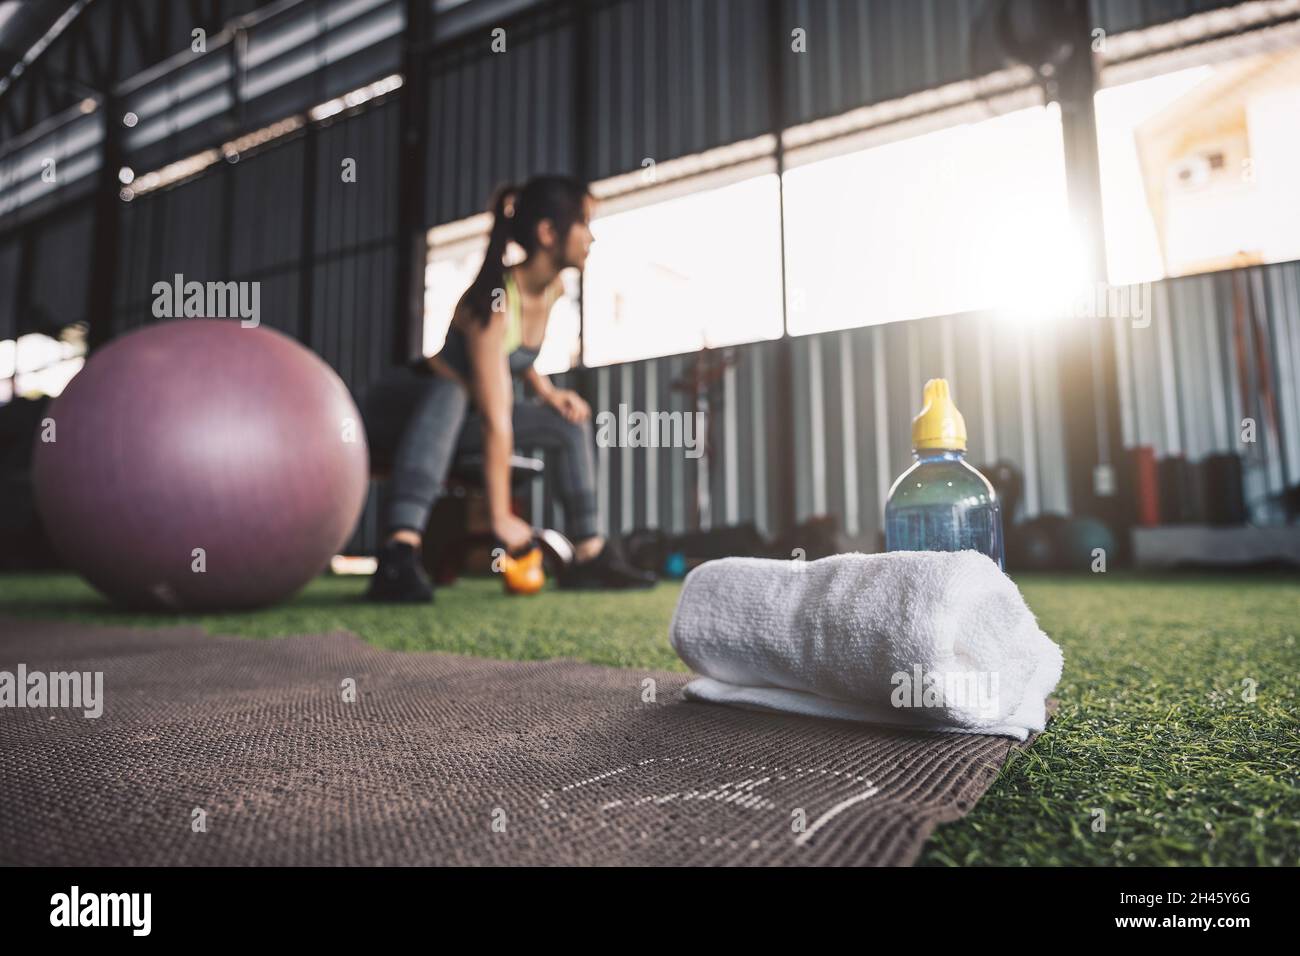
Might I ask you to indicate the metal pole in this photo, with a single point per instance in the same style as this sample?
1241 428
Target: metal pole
581 136
412 173
783 392
107 204
1089 389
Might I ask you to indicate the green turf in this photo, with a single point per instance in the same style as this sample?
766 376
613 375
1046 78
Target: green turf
1152 729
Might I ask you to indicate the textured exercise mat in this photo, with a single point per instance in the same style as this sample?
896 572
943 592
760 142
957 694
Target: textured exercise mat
220 750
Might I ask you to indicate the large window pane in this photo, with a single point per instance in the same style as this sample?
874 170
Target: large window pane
969 217
447 275
1199 168
698 270
37 365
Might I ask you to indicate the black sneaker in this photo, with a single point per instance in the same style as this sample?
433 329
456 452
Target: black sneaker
606 571
399 577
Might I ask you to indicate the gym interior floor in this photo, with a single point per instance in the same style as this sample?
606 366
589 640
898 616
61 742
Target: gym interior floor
1178 706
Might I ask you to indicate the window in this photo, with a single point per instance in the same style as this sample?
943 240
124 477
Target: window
674 268
1198 167
36 364
971 216
450 269
679 272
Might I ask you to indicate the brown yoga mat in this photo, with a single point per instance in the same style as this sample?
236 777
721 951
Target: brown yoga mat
441 759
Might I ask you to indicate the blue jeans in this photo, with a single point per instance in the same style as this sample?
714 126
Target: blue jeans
417 422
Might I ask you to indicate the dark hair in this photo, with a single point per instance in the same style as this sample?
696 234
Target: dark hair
516 212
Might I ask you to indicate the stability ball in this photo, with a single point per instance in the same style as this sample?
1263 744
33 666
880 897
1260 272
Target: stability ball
200 464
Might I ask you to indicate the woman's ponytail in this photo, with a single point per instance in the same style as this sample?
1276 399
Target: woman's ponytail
516 213
492 274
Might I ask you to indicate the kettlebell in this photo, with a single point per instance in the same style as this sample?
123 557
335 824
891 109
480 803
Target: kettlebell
523 573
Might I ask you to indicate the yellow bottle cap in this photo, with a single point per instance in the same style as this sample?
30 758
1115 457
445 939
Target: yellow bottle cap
940 425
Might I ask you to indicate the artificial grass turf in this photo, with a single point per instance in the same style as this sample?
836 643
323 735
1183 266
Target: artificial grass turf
1154 728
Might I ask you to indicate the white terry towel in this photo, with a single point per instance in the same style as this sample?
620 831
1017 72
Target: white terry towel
922 639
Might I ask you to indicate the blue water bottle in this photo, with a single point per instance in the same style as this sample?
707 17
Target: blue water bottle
941 503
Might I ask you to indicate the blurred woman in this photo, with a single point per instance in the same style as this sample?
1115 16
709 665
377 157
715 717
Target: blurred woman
422 418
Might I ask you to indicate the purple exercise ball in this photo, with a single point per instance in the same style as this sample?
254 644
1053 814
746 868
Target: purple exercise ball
201 434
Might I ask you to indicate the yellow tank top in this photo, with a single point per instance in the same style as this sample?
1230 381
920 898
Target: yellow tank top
515 312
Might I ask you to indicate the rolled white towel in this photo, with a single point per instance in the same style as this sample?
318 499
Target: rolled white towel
924 639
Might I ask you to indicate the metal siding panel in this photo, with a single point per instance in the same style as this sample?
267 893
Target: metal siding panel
862 52
1006 404
501 117
848 408
968 389
60 273
903 400
799 409
349 291
764 462
929 337
724 65
673 77
746 414
1270 423
705 96
1115 16
670 463
603 62
1189 357
839 44
664 401
350 214
622 90
10 263
832 423
266 210
278 302
672 91
614 458
191 217
1146 375
1182 378
639 455
1284 314
720 426
134 231
862 30
864 422
1049 438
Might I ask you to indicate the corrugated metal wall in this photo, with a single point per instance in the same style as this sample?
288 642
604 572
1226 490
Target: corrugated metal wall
294 57
1181 376
323 249
42 282
58 287
1115 16
855 393
497 118
666 78
164 29
672 77
11 253
865 51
